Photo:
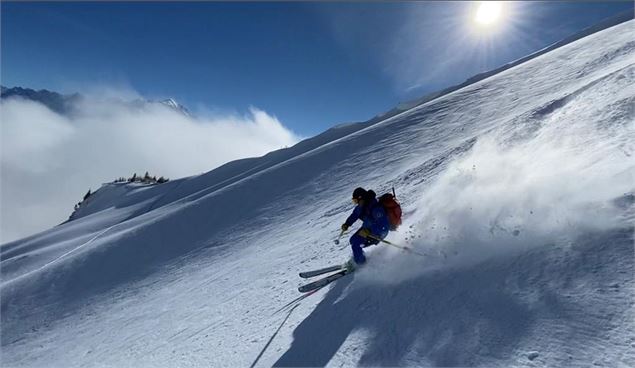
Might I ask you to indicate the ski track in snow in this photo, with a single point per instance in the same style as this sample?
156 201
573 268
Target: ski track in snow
520 187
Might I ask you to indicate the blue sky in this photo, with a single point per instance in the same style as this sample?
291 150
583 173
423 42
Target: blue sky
312 65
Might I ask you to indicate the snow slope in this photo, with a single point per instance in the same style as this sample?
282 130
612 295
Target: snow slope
518 187
609 22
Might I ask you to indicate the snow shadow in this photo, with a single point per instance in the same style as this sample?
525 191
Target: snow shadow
418 311
472 316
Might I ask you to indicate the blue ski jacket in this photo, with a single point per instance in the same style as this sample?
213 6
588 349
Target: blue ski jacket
373 216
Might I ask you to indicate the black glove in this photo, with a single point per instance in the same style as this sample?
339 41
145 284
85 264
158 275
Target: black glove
344 226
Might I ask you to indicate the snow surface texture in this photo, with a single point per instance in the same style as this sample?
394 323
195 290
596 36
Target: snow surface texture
520 188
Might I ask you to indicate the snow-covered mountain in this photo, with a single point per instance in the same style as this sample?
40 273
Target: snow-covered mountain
61 104
67 104
171 103
519 188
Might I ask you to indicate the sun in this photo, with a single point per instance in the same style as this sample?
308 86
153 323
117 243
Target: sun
488 13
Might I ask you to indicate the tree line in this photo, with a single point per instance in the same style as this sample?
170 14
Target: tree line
146 179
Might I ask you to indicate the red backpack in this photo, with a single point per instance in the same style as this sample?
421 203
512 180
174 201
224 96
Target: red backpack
392 208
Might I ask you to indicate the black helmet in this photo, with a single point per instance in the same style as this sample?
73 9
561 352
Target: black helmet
359 193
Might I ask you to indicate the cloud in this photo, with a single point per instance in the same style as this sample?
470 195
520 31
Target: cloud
49 161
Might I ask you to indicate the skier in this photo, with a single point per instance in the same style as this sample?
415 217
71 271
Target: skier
375 224
379 216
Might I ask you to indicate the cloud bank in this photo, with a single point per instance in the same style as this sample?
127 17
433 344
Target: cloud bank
49 161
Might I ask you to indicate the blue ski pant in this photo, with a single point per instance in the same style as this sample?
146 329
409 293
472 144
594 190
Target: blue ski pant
358 242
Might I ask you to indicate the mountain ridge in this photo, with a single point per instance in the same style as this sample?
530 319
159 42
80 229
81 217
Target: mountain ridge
66 104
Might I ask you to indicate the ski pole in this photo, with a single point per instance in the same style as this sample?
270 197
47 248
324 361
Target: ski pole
408 249
337 241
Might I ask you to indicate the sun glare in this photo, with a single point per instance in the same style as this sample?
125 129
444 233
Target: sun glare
488 12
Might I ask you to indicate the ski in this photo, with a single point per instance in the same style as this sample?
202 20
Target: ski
321 271
318 284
